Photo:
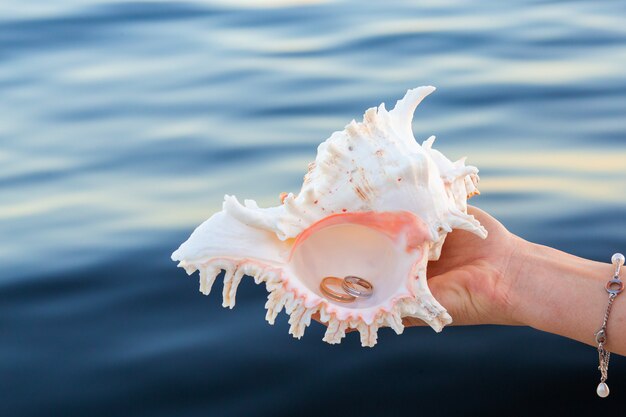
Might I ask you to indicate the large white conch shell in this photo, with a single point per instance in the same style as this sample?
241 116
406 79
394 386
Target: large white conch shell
374 204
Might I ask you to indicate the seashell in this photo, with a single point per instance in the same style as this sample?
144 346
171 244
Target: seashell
374 204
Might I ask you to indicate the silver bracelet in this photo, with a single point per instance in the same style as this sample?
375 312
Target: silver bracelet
614 286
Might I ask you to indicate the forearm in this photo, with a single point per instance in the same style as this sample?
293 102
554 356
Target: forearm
563 294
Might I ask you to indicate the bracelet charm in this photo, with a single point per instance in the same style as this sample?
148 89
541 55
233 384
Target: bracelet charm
613 287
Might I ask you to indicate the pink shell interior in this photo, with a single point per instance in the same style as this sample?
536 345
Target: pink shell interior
382 247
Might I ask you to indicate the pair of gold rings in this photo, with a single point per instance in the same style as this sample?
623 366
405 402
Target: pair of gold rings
346 290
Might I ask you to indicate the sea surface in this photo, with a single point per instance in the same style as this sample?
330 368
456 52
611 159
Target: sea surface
123 124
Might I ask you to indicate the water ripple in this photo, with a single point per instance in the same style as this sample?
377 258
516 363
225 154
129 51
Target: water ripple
125 123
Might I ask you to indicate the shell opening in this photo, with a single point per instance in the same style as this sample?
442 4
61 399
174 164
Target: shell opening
352 249
380 247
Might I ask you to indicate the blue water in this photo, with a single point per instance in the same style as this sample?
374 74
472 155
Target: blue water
123 124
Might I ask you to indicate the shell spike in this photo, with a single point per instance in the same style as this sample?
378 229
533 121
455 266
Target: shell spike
231 282
394 321
460 162
402 113
459 172
246 214
428 143
189 269
207 278
275 303
370 115
352 129
428 309
300 319
369 334
459 220
335 331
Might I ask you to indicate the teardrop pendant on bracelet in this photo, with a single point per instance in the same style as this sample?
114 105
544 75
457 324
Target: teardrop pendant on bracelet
617 259
602 390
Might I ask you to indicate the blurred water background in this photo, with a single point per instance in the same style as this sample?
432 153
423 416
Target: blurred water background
123 124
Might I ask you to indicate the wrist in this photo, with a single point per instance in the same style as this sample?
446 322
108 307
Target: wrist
557 292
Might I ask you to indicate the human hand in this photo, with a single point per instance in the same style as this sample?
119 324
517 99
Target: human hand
505 279
474 277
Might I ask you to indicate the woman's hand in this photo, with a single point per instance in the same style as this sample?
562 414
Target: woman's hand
505 279
474 277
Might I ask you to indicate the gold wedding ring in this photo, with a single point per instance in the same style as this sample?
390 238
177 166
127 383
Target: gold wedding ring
353 287
335 295
357 287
